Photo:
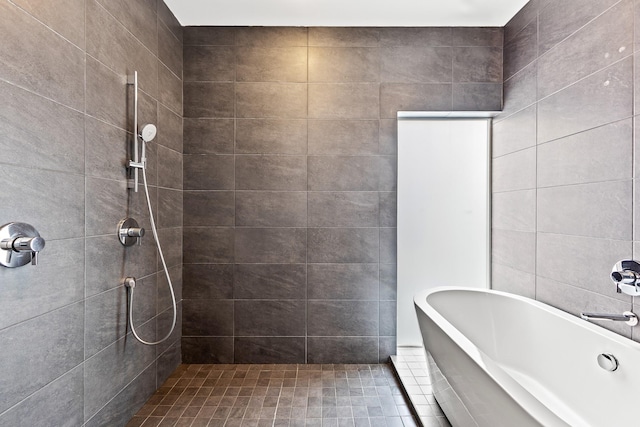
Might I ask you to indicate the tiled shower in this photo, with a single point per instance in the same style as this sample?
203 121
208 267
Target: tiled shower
275 194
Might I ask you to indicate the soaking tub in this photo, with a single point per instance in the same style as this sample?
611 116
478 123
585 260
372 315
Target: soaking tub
497 359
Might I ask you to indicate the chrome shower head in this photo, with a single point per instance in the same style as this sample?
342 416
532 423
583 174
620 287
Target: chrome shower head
148 132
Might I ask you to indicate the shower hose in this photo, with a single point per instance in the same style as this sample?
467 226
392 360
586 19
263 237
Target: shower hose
164 266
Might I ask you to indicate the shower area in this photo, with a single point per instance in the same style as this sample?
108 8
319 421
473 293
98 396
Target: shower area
272 181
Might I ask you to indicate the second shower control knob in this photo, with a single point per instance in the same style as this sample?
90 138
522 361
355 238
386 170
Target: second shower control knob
129 232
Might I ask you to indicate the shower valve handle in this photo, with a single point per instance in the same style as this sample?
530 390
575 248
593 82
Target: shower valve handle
21 242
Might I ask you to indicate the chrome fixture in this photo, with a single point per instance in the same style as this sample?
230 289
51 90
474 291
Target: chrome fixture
129 232
628 317
626 275
22 243
128 228
608 362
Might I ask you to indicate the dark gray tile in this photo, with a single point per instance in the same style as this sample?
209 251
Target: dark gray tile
167 362
170 204
591 210
212 100
514 210
271 173
388 245
207 350
165 302
164 321
396 97
582 262
40 133
139 18
270 281
343 245
388 347
269 318
169 168
587 156
387 173
515 171
270 245
271 100
271 209
120 50
171 240
477 64
170 129
361 318
111 370
416 36
269 350
388 209
257 136
344 37
209 63
58 281
343 209
357 137
477 36
343 173
58 403
126 403
40 49
170 50
271 64
514 133
52 342
209 208
520 50
271 36
416 64
559 20
388 142
343 65
213 36
515 249
519 91
343 281
209 245
342 350
108 259
208 172
50 201
208 136
65 17
170 92
167 18
105 92
106 150
388 282
344 100
388 316
528 13
207 317
477 97
610 35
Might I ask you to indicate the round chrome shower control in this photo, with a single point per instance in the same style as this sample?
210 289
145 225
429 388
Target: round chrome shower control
129 232
608 362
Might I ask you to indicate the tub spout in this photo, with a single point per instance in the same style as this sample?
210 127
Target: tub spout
628 317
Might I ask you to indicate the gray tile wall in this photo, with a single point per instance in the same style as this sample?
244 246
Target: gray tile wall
564 171
67 358
290 181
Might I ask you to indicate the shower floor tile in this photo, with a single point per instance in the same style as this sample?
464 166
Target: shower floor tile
410 364
278 396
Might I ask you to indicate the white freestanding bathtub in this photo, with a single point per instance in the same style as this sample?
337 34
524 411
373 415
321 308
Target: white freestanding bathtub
500 360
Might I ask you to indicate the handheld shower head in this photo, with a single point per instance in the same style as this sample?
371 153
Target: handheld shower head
148 132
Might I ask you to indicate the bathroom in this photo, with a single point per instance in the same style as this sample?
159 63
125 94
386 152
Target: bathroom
274 186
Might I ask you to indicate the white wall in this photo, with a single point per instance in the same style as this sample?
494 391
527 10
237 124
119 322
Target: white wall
443 210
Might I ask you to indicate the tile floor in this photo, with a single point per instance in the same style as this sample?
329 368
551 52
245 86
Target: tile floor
410 363
278 396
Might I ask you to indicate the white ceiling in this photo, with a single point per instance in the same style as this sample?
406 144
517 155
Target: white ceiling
346 13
